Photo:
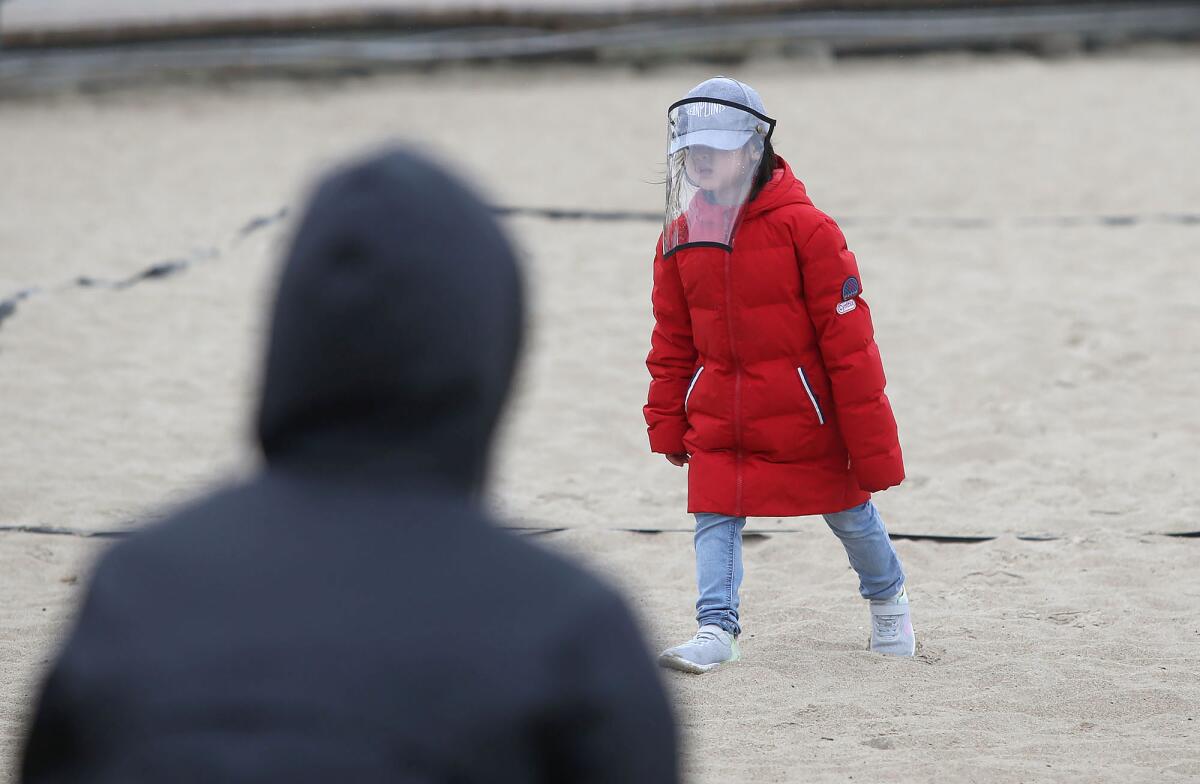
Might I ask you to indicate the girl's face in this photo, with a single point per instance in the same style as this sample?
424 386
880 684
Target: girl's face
718 170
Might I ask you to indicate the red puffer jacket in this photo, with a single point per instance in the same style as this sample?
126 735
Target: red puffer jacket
765 370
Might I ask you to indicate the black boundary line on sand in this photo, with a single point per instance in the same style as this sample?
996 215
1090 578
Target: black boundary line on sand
54 530
530 530
935 222
156 271
938 538
173 266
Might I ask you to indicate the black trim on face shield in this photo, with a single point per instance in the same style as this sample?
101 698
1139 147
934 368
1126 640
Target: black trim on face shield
724 102
677 248
733 104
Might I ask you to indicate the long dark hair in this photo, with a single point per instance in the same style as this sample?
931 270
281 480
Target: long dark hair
766 168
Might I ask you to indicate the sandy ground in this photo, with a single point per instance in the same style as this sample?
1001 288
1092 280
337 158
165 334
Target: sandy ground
1025 245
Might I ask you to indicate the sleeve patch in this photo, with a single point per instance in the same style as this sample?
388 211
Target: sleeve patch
851 288
845 307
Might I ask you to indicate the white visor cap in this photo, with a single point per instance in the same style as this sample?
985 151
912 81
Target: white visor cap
717 124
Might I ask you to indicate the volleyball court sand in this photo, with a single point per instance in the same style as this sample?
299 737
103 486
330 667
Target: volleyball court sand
1024 235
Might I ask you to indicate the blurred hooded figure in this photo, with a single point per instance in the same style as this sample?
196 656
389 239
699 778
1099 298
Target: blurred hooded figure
351 614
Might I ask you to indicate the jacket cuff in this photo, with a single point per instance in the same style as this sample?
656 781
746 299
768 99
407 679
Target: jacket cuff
879 472
666 437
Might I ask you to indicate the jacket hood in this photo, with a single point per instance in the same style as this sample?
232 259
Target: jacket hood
781 190
395 330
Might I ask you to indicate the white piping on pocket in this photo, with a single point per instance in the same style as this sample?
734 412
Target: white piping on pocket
812 398
692 386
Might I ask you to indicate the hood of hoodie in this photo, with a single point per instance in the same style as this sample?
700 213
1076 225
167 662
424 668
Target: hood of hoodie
395 330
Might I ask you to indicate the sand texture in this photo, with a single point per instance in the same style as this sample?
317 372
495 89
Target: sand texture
1029 238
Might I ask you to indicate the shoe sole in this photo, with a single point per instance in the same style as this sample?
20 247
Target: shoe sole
683 665
901 654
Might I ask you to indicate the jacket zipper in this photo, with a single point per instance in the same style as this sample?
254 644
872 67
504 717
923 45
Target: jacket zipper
737 386
812 398
692 386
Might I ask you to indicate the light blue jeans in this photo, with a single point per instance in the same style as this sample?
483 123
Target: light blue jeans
718 541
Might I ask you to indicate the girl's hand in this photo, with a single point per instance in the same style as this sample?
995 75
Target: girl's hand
678 459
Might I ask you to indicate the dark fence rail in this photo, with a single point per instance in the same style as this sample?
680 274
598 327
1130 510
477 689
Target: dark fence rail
29 23
729 32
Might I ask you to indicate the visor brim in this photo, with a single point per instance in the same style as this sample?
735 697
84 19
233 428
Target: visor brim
720 140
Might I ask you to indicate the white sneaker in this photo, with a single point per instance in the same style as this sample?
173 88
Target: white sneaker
891 626
711 647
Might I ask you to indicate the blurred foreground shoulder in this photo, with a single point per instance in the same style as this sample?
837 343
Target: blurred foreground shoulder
621 727
614 722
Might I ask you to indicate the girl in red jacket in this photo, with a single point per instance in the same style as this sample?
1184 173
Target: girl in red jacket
766 380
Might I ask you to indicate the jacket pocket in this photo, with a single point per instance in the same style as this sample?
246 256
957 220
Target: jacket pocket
811 396
692 386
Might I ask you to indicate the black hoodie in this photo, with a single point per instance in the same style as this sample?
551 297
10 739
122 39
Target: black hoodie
350 614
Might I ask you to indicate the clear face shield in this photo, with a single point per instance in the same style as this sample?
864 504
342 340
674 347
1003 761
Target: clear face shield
714 149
